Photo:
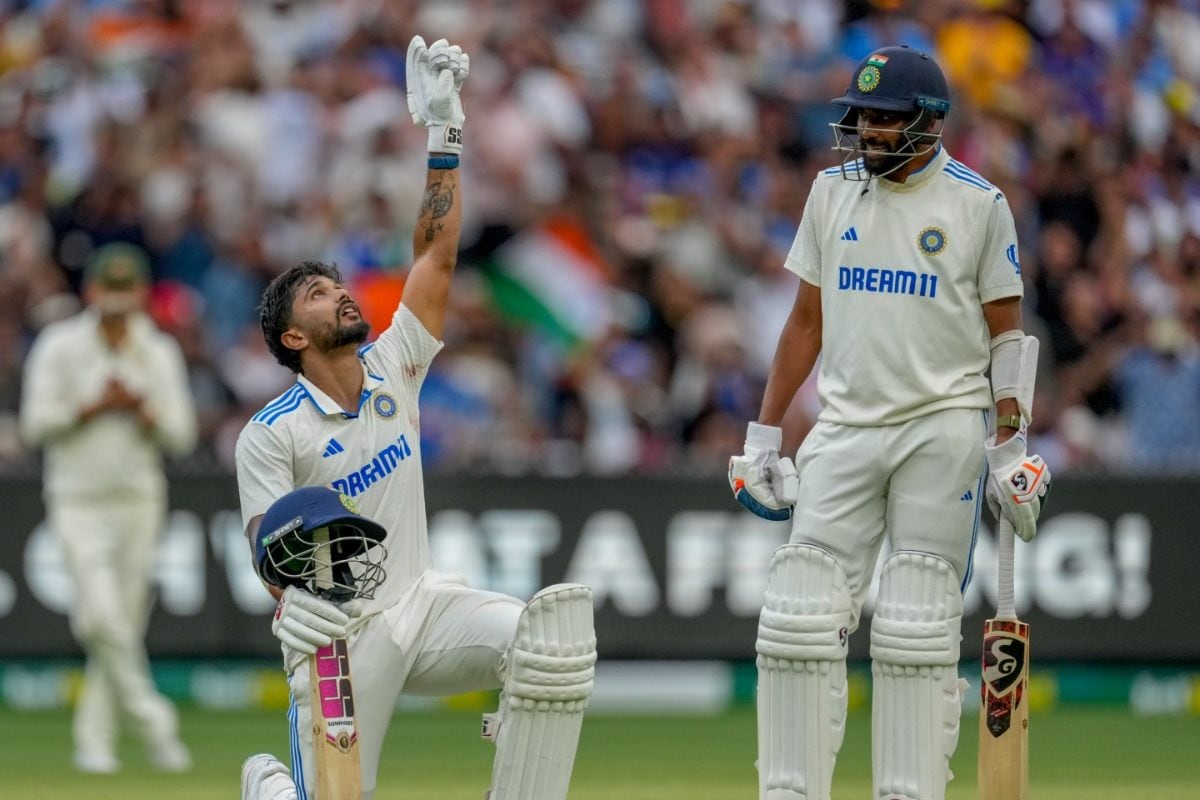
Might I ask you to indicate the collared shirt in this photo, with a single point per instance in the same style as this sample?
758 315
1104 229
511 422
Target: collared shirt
904 269
112 454
372 454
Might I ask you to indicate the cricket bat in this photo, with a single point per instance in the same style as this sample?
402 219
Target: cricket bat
335 728
1004 716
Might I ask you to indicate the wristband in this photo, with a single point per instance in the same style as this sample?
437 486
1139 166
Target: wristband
1009 421
443 162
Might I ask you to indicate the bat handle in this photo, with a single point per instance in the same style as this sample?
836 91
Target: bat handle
1005 594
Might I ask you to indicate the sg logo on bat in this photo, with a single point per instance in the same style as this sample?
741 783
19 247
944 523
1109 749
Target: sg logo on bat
1005 657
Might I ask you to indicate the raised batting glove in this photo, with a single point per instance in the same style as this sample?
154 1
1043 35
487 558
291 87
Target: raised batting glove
1017 484
435 77
762 481
305 622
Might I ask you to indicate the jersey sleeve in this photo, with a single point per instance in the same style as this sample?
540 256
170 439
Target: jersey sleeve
404 351
49 407
804 258
264 469
999 261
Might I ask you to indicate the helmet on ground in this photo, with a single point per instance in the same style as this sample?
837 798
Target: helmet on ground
314 538
902 81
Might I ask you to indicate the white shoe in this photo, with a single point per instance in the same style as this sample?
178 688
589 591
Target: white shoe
170 756
96 762
264 772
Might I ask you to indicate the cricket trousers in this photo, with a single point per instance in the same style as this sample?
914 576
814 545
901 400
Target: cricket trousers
441 638
918 484
110 546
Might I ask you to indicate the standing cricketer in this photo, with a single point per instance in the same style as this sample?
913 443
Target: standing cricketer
910 292
106 394
350 422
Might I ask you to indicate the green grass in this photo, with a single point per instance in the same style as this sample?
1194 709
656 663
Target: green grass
1076 755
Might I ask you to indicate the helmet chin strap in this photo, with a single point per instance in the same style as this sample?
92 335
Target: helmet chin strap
848 140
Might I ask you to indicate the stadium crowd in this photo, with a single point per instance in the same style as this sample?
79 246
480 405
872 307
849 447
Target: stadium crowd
634 175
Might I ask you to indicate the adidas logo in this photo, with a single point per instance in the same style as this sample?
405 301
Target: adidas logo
333 448
850 235
967 496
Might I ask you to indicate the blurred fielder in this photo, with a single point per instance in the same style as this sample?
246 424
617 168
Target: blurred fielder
910 292
351 423
106 393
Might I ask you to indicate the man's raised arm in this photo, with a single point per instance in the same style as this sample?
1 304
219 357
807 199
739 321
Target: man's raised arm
435 77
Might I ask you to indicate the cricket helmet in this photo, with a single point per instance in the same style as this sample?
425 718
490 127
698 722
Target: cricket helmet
901 80
314 538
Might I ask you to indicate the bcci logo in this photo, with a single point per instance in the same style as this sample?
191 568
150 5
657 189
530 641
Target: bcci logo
868 79
385 405
932 240
350 505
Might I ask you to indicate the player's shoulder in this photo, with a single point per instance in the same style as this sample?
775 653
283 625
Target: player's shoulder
283 407
63 330
959 175
839 174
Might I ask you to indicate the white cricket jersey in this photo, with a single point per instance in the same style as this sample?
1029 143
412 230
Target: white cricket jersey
903 270
303 438
111 455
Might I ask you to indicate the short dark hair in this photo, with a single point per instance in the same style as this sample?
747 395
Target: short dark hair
275 312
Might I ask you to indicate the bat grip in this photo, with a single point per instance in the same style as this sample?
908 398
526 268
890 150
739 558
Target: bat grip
1005 595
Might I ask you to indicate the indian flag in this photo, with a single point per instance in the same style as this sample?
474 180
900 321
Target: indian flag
877 60
552 277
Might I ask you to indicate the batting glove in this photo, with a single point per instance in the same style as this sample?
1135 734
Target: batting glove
1017 484
435 77
762 481
305 622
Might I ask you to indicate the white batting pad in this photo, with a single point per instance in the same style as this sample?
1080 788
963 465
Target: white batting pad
264 777
546 688
916 695
801 673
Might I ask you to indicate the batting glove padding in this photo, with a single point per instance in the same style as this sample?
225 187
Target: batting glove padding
1017 484
762 481
305 622
435 77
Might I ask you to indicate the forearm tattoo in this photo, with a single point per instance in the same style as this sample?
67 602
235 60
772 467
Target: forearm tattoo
439 199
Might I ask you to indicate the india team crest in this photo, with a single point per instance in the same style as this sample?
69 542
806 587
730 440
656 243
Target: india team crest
350 505
868 79
385 405
932 240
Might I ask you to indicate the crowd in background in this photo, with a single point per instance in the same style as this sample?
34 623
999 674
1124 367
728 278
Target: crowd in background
633 177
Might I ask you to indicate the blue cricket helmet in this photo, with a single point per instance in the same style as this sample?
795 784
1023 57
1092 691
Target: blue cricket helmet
287 547
901 81
898 79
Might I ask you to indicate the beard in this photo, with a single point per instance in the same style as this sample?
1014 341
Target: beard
341 335
878 162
